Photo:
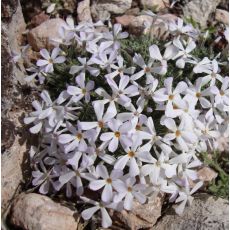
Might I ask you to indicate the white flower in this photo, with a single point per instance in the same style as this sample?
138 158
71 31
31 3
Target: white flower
36 73
101 120
83 90
146 69
120 69
128 190
183 55
185 197
222 95
47 64
119 134
107 182
42 178
134 153
88 213
212 74
76 139
196 93
182 136
85 66
170 95
123 92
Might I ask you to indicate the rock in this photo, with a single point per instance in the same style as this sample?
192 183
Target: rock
206 212
199 11
11 170
206 174
224 4
36 212
144 24
101 9
8 8
40 37
83 11
133 11
157 5
125 20
140 23
223 144
39 19
142 215
222 16
15 101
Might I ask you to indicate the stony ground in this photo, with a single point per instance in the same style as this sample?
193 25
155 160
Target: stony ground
28 22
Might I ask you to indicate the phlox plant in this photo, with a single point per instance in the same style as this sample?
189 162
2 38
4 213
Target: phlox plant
119 122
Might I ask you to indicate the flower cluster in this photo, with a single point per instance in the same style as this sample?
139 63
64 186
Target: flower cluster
119 129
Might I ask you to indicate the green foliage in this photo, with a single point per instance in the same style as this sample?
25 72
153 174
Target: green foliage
220 163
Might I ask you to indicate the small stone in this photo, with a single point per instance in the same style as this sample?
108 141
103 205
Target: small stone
40 37
140 23
133 11
125 20
199 11
39 19
206 174
113 7
11 170
36 212
222 16
83 11
141 215
157 5
206 212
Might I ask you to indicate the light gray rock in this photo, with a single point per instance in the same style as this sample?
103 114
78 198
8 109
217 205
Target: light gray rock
101 9
205 213
83 11
42 35
222 16
200 10
141 216
157 5
14 104
36 212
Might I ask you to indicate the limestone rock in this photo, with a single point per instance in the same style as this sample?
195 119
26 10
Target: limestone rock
11 170
41 36
14 104
222 16
39 19
142 215
83 11
125 20
140 23
101 9
206 212
36 212
145 24
200 10
206 174
157 5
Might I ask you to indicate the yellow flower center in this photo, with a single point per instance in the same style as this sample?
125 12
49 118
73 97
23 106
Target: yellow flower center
147 69
178 133
131 154
129 189
171 97
198 94
109 181
221 92
79 136
100 124
117 134
83 91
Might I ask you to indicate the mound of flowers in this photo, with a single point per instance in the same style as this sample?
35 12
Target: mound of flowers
116 126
